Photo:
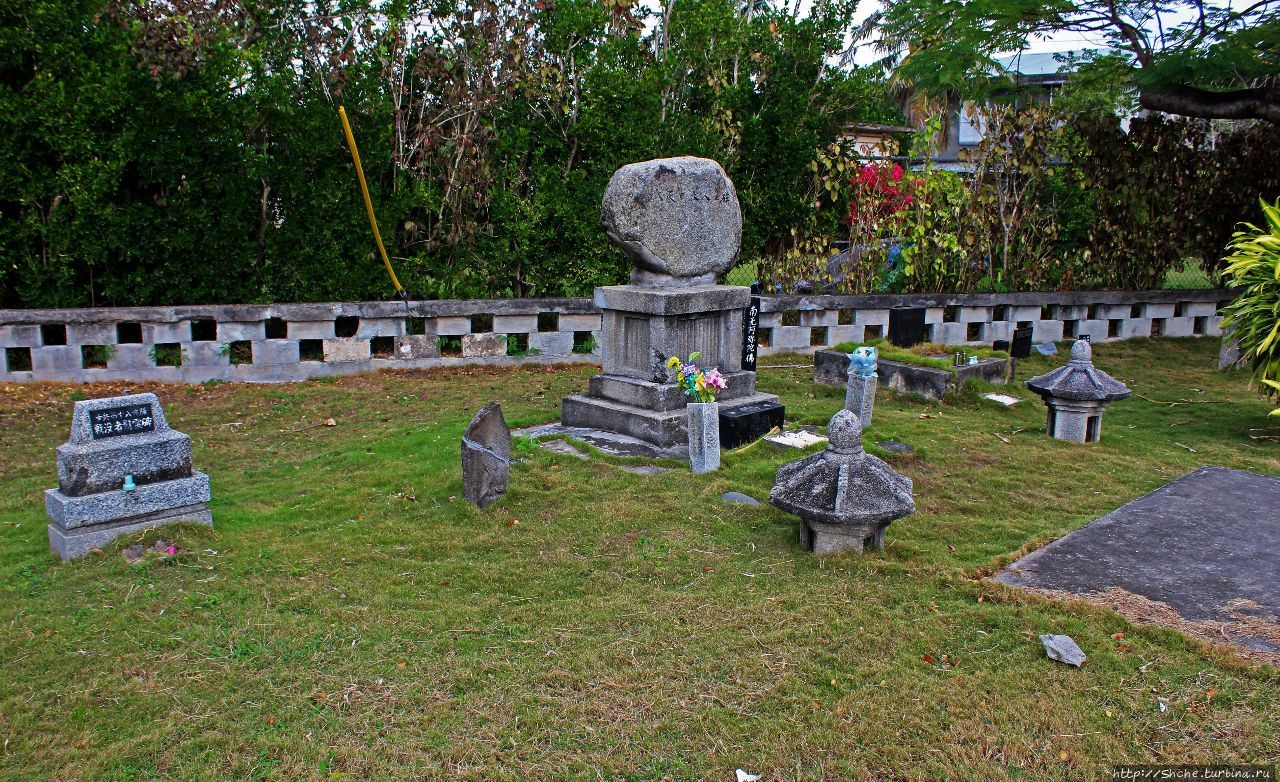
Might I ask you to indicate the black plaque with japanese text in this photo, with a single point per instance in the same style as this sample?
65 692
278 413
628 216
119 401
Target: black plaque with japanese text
750 325
119 421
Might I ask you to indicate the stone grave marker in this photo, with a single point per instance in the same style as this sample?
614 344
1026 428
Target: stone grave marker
679 222
123 471
486 456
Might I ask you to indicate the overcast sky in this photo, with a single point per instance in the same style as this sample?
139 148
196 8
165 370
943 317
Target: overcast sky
1060 42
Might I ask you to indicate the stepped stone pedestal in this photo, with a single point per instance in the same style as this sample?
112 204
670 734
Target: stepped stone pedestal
642 328
123 471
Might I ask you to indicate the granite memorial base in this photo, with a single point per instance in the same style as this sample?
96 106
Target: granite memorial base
642 328
123 471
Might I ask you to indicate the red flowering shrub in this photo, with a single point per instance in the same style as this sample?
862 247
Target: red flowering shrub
879 195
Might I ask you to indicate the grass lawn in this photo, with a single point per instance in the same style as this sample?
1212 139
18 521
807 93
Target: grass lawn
351 617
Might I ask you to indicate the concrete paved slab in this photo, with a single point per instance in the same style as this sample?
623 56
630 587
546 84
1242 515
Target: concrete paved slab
611 443
1205 540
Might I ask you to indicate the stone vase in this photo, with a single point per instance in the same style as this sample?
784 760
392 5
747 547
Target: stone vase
704 436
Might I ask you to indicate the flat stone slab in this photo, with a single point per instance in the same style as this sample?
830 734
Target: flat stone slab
1003 399
796 438
611 443
1203 542
563 447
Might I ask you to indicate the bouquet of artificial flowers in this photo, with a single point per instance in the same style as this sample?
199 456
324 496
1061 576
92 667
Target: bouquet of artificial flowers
702 386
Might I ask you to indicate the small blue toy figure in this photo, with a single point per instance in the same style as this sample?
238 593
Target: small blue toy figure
862 362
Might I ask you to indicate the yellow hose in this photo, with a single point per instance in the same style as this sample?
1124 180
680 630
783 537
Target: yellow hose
368 203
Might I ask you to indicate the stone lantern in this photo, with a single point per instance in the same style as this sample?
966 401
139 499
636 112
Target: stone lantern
1076 394
844 497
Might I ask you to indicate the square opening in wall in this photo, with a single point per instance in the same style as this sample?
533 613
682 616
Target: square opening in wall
973 332
204 330
481 324
382 347
764 337
1000 313
1113 328
950 314
1095 312
17 359
517 344
345 326
311 350
276 328
129 333
167 354
1157 327
53 334
1180 309
846 316
240 352
873 331
450 346
929 332
791 318
583 342
1200 325
95 356
1046 312
415 327
1136 310
1070 329
818 336
548 321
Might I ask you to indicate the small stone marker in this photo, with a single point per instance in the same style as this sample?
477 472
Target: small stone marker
1063 649
796 438
737 496
896 446
845 497
486 456
123 471
677 219
1002 399
860 390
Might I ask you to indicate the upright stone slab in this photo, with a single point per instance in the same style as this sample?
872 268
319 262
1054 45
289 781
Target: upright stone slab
679 222
486 456
860 389
123 471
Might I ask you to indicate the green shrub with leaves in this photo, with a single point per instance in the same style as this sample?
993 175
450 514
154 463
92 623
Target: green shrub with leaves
1254 315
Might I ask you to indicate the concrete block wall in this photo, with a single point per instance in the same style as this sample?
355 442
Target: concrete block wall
287 342
284 342
794 323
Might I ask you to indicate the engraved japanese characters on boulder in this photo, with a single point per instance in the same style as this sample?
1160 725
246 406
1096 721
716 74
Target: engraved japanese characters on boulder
677 219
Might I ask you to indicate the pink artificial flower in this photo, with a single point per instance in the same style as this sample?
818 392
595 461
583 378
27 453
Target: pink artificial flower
715 380
171 550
